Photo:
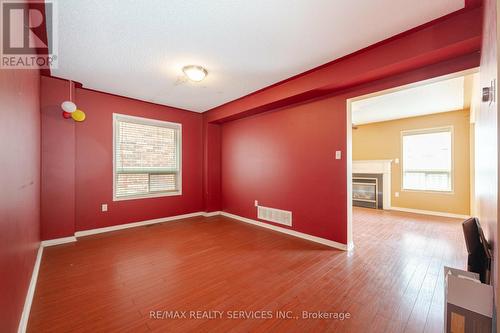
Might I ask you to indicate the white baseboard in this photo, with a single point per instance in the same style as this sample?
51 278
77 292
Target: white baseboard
430 212
209 214
290 232
298 234
136 224
23 323
58 241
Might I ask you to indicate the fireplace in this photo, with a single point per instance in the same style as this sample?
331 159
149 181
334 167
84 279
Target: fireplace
370 177
367 190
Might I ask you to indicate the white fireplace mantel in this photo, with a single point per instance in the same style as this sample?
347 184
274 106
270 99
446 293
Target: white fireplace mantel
377 166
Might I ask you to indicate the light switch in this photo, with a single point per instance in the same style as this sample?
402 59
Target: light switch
396 160
338 155
104 207
396 194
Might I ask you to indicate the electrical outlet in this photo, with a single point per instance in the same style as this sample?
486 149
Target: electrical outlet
104 207
396 194
256 203
396 160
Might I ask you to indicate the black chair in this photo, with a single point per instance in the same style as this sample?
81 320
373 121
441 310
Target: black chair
479 260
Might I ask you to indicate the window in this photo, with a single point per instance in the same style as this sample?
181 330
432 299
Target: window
147 158
427 160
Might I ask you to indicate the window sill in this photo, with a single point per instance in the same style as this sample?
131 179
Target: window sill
147 196
428 191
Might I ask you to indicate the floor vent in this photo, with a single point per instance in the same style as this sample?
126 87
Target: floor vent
274 215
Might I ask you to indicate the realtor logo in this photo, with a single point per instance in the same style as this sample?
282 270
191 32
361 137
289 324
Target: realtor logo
29 35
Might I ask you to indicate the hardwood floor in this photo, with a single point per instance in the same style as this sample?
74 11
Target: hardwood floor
391 282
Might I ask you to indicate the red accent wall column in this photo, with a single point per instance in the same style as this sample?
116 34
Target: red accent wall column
211 166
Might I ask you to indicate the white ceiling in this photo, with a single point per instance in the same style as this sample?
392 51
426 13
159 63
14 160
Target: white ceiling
137 48
442 96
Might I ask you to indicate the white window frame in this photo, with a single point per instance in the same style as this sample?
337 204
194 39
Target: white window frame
429 131
152 122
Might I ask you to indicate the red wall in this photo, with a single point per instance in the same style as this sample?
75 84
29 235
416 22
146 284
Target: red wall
91 158
286 158
487 139
19 190
58 163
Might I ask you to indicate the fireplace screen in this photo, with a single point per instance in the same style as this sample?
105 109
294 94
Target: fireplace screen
365 192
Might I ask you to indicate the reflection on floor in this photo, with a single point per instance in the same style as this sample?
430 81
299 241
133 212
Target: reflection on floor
391 282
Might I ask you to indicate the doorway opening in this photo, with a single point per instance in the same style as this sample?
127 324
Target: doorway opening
411 148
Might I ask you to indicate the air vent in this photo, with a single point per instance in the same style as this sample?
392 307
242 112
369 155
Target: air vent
274 215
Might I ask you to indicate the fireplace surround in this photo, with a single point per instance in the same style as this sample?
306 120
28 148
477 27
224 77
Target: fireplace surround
371 183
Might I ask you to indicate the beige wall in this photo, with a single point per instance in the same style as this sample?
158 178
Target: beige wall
379 141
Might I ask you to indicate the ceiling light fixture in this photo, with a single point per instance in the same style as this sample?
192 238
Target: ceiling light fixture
195 73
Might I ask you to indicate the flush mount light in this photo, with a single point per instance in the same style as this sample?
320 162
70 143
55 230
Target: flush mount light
195 73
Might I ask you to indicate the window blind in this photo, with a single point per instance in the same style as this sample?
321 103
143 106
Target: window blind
147 157
427 160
